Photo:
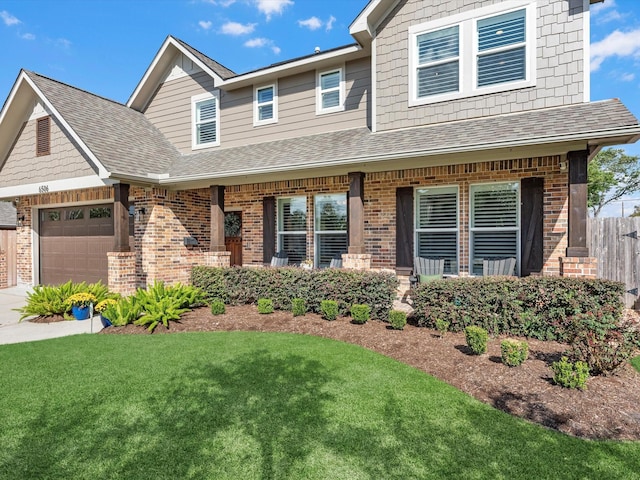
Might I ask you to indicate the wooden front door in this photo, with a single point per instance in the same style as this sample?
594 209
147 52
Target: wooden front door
233 236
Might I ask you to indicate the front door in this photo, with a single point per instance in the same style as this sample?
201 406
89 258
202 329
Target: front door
233 236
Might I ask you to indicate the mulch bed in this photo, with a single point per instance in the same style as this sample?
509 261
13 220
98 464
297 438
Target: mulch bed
608 409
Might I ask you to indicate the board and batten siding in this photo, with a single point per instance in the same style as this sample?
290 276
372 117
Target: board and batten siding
560 64
170 108
23 166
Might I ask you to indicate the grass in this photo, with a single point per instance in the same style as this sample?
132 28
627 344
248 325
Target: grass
236 405
636 363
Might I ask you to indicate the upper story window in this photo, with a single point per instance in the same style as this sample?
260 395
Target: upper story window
330 91
265 105
474 53
206 121
43 136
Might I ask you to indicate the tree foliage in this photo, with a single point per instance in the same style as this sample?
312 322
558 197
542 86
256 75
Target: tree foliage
612 175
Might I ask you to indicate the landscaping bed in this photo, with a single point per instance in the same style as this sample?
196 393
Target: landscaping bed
608 409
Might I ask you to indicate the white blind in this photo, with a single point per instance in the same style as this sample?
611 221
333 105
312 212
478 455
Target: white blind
495 208
206 114
437 225
438 64
330 227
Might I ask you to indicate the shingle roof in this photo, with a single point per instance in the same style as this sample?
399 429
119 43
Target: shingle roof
360 144
7 214
122 139
220 69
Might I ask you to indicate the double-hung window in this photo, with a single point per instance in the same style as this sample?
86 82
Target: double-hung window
488 50
330 227
494 223
265 105
330 91
292 228
205 120
437 225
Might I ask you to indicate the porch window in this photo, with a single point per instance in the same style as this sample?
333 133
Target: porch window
330 227
437 225
494 223
206 125
292 228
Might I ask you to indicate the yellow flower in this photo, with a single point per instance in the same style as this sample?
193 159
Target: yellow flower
82 299
101 306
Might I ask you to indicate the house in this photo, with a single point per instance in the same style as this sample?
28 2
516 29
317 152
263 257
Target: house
452 129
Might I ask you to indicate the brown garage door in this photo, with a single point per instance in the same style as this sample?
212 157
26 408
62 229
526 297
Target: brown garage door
74 242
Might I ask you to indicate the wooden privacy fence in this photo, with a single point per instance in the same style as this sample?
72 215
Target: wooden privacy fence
8 245
615 242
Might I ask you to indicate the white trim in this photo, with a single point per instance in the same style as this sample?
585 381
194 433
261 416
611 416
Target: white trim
39 111
341 89
467 57
294 232
76 183
374 85
274 103
215 95
586 52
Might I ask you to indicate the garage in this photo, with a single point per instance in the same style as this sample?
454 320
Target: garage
74 242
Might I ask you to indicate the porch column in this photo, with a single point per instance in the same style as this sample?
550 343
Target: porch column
217 255
121 217
356 258
578 213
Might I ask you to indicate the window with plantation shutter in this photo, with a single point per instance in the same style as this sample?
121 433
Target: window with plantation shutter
330 227
43 136
292 228
491 49
206 125
265 105
494 223
330 91
437 225
502 48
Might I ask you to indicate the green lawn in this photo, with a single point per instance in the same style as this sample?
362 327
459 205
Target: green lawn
254 405
636 363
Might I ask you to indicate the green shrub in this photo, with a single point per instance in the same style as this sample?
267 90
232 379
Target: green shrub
360 313
397 319
442 326
514 352
265 306
570 375
124 311
329 309
218 307
162 304
298 307
238 286
476 339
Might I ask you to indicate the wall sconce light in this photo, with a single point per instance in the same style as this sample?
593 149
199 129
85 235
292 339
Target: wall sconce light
20 220
563 166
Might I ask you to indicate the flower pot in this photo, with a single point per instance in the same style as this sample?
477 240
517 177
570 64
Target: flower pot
105 321
79 312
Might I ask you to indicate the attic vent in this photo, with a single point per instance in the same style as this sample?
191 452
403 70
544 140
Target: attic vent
43 136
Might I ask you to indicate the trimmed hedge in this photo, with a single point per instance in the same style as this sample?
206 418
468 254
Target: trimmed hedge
242 285
537 307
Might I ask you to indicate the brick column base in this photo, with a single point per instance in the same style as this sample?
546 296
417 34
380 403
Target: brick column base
4 275
582 267
356 261
122 272
217 259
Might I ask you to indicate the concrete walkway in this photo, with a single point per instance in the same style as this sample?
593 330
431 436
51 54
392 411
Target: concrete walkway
13 331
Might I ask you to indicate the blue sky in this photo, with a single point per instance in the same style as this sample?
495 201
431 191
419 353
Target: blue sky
104 46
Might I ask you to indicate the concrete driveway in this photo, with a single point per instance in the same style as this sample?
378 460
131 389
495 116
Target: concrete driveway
13 331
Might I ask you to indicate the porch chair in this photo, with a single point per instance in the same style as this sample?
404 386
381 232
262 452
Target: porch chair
336 261
425 269
498 266
280 259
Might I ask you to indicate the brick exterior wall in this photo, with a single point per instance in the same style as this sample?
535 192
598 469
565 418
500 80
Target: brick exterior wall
122 272
4 275
583 267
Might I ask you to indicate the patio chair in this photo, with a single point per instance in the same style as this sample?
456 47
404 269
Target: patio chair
425 269
336 261
498 266
280 259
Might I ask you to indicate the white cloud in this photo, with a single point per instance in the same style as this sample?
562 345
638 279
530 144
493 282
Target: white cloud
270 7
597 8
616 44
222 3
235 28
63 42
28 36
276 50
257 42
628 77
605 12
205 25
312 23
329 24
9 19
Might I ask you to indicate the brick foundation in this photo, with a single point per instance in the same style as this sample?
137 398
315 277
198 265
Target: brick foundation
217 259
122 272
356 261
583 267
4 274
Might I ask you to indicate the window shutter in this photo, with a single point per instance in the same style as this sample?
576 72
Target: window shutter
404 230
532 211
268 228
43 136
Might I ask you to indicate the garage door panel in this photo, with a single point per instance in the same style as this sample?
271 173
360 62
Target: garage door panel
74 242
